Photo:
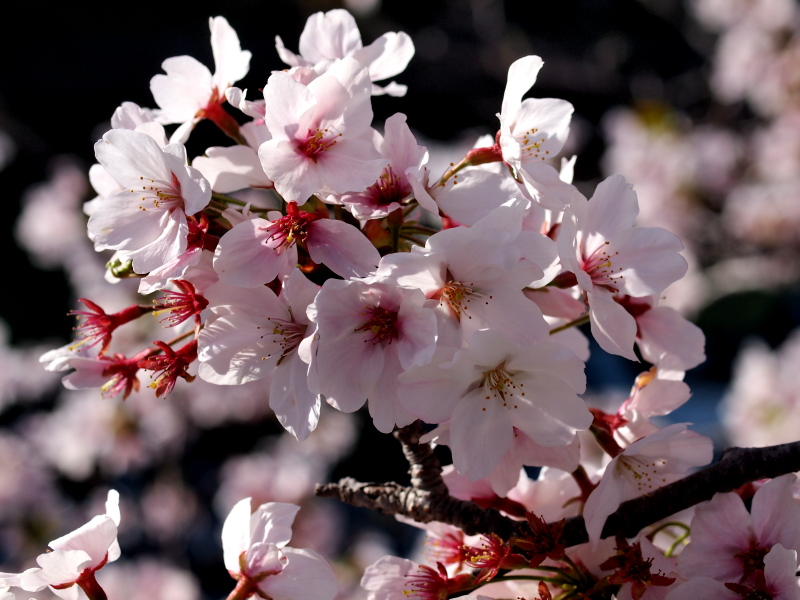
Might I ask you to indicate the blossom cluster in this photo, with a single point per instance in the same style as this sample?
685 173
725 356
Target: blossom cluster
322 261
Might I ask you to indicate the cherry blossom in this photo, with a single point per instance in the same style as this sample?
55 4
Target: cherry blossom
334 35
476 275
600 245
189 92
113 374
254 334
647 464
729 543
148 218
779 581
492 387
76 557
532 131
392 578
369 333
400 148
321 134
257 557
256 251
665 338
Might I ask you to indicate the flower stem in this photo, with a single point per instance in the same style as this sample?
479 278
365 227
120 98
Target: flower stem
89 585
245 588
574 323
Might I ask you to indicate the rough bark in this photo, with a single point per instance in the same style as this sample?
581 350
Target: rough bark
427 499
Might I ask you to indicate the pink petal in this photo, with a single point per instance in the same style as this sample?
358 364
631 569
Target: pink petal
342 248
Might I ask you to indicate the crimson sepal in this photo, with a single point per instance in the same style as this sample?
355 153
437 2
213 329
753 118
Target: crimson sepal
632 567
98 326
545 540
180 306
170 365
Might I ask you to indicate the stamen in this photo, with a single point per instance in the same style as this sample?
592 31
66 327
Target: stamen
381 323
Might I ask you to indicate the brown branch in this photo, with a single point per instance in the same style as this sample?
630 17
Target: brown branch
424 467
737 467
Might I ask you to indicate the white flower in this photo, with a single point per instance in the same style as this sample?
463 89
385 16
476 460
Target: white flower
189 92
492 387
369 333
532 131
647 464
256 555
599 243
334 35
148 218
77 555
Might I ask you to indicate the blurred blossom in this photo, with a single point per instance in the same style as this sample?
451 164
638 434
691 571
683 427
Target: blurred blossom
766 214
21 377
763 14
758 66
51 226
265 476
209 405
762 406
776 148
148 579
168 509
87 431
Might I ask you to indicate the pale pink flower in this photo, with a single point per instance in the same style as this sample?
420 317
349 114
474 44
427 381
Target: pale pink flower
321 134
467 196
77 555
256 555
393 578
729 543
387 578
523 451
762 404
334 35
493 387
476 275
256 251
599 243
532 131
369 333
148 218
652 395
231 168
780 581
400 148
647 464
189 92
664 336
254 334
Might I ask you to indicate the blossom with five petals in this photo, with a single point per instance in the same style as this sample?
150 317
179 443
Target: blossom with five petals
647 464
147 219
599 243
321 134
492 387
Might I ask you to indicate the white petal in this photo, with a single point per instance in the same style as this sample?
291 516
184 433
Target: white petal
307 576
236 534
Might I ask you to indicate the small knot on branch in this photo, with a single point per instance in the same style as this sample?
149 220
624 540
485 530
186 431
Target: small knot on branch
424 467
